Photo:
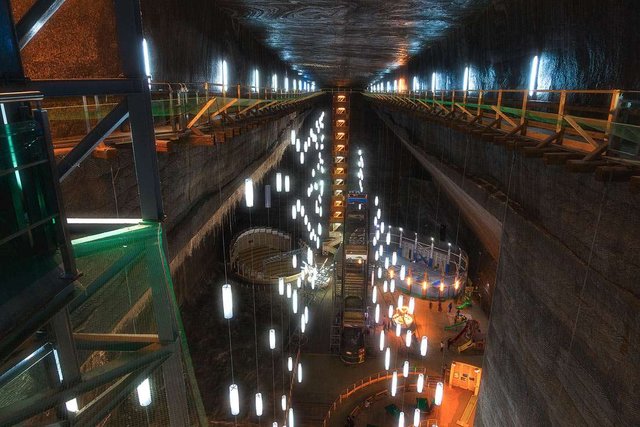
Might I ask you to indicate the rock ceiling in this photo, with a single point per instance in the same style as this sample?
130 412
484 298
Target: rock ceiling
348 42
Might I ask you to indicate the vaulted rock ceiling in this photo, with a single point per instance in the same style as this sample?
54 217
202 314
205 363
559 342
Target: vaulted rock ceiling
349 42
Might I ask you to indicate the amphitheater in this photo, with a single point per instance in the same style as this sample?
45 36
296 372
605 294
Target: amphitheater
262 255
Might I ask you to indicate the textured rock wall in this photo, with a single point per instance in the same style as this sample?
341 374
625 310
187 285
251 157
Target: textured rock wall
564 316
586 44
186 38
196 181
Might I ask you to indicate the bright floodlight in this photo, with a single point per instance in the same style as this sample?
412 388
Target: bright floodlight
144 393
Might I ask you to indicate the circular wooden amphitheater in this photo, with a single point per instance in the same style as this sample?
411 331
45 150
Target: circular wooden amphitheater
262 255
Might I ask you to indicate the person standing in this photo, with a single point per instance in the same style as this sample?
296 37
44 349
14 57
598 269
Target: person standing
450 306
441 346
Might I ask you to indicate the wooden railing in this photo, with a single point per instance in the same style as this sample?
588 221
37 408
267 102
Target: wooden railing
583 121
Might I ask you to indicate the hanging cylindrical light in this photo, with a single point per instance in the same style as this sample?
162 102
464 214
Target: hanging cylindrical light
298 282
294 212
319 229
387 358
381 340
290 364
379 213
288 290
248 192
299 372
412 305
294 261
376 256
374 294
259 404
398 329
234 399
375 201
283 402
379 272
291 421
394 383
278 182
272 339
416 417
390 311
303 324
394 258
439 392
302 158
382 226
227 301
388 239
297 145
403 272
309 256
405 369
401 419
400 301
144 393
293 137
420 383
298 205
423 346
376 317
385 286
306 314
287 184
386 263
281 286
392 285
294 301
303 214
408 338
72 405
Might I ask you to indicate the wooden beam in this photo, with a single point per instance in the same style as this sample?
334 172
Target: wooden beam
571 120
503 116
225 107
201 112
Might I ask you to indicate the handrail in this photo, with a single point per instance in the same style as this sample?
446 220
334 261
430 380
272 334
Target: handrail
583 121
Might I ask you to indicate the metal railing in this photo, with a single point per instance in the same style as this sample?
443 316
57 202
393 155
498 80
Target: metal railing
430 381
585 121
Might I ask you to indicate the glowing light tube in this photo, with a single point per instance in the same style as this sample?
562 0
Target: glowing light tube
234 399
423 346
394 383
144 393
387 358
420 383
259 404
227 301
272 339
439 393
248 192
